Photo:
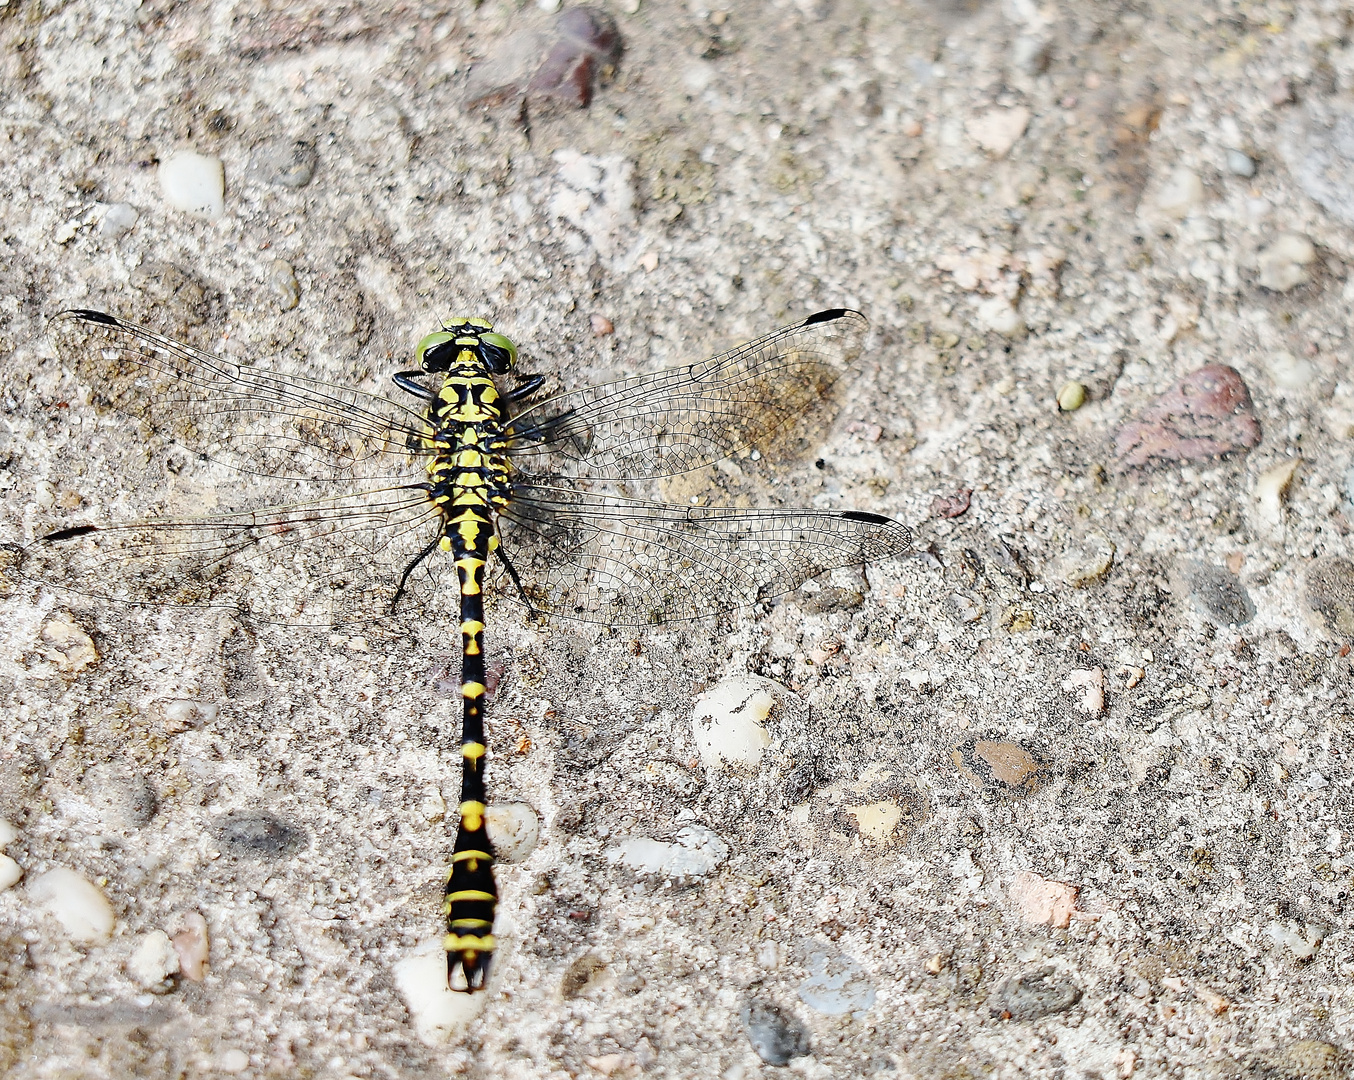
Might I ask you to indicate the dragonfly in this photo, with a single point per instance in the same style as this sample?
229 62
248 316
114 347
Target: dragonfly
394 510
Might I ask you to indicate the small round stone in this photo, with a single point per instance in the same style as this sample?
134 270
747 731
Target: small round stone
283 162
1034 994
997 765
118 220
282 278
191 945
1283 265
194 183
729 721
1239 164
1088 561
775 1036
1180 194
10 872
76 903
1218 594
1071 397
1206 415
836 985
259 834
153 960
695 853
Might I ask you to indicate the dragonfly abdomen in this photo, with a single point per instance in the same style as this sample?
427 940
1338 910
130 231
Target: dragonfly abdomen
467 478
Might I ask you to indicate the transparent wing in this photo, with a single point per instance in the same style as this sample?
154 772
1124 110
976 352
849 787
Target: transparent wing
312 563
632 563
250 420
685 418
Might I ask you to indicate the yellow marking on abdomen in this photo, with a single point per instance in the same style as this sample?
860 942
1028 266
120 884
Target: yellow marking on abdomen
472 815
469 894
472 750
468 943
472 690
471 627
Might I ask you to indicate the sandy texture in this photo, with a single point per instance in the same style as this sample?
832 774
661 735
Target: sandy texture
945 864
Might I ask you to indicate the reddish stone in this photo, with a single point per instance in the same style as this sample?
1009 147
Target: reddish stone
1205 416
951 506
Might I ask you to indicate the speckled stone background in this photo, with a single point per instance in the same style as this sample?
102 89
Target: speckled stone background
1068 794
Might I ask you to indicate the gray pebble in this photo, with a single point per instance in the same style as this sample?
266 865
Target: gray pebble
283 162
282 278
1036 993
1329 594
775 1036
121 797
1218 594
1239 164
259 834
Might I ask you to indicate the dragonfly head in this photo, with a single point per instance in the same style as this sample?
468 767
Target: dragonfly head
443 350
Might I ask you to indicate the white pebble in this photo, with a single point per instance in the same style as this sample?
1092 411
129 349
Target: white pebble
118 219
153 960
999 314
997 130
8 833
514 830
729 721
76 903
1302 946
433 807
1091 683
71 649
697 851
1283 265
439 1013
1272 487
1180 194
233 1060
194 183
1239 164
549 6
10 872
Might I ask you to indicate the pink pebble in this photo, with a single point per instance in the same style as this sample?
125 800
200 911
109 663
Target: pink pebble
1206 415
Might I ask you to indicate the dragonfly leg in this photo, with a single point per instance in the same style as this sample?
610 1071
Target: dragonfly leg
512 573
413 564
524 390
408 382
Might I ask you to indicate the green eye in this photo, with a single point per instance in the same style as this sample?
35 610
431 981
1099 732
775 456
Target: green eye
429 342
503 343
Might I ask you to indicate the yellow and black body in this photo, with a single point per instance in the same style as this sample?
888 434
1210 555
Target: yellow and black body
468 480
